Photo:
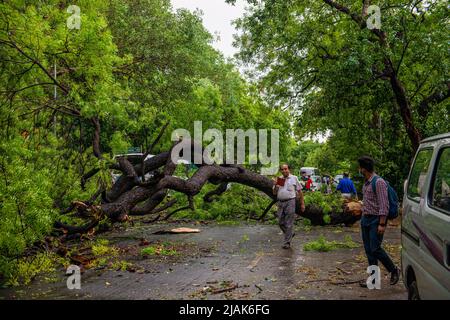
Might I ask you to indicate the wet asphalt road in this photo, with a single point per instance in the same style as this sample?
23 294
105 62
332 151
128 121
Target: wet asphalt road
246 259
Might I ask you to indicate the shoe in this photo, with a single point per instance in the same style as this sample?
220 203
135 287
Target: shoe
286 246
395 276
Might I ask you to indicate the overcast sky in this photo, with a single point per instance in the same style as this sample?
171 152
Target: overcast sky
217 18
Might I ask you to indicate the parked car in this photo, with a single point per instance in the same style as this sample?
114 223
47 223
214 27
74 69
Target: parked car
426 222
134 158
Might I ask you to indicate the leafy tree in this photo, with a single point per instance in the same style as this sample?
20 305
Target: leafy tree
320 59
70 99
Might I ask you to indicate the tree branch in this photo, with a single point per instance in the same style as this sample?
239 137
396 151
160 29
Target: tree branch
96 138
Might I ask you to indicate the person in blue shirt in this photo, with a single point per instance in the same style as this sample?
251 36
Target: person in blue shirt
346 187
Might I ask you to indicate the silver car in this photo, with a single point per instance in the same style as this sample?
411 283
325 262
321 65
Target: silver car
426 222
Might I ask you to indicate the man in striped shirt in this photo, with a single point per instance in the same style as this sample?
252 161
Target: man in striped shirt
374 217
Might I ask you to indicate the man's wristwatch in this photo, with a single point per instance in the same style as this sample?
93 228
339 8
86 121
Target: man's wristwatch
382 224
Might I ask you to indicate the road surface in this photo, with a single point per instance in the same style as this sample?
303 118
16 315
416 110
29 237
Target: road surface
243 261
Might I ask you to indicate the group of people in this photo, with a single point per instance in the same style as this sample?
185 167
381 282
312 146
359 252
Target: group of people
288 191
345 185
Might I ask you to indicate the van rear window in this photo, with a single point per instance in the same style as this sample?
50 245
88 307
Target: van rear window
419 173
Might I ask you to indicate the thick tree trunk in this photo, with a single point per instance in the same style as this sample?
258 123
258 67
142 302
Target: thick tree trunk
405 108
338 216
130 196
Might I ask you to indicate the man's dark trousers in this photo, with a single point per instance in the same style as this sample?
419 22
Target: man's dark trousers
372 242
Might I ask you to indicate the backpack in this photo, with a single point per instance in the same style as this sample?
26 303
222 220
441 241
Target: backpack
392 196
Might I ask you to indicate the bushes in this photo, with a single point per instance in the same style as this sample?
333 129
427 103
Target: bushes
26 206
328 202
25 269
242 202
32 183
238 202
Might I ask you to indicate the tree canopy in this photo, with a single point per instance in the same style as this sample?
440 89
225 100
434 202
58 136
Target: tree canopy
378 91
71 99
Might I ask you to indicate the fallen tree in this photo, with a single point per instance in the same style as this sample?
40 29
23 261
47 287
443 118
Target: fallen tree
133 195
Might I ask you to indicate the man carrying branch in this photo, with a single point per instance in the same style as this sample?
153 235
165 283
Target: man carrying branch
288 191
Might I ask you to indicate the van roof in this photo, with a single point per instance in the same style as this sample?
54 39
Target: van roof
437 137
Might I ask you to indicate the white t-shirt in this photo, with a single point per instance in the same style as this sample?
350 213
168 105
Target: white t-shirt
290 188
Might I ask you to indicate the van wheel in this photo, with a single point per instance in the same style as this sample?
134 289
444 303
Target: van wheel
413 291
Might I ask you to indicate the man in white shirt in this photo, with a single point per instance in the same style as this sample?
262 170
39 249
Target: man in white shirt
287 189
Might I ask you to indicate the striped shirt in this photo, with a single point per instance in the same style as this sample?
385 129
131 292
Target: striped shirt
375 204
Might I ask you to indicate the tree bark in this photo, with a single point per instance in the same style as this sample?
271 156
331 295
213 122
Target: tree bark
131 197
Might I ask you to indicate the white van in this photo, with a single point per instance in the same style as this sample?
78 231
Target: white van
426 222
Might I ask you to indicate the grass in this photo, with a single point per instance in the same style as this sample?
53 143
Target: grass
159 250
105 254
102 248
121 265
244 239
323 245
28 268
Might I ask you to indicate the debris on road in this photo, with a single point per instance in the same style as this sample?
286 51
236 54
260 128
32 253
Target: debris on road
177 231
227 289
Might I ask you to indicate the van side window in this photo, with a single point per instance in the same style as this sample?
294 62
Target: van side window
441 183
419 173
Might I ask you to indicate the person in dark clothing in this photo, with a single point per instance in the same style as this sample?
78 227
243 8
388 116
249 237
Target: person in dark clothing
374 218
346 187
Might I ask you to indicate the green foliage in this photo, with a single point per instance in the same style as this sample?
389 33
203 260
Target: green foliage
22 271
121 265
133 66
160 250
136 65
102 248
106 256
331 73
328 202
323 245
26 206
238 202
299 153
